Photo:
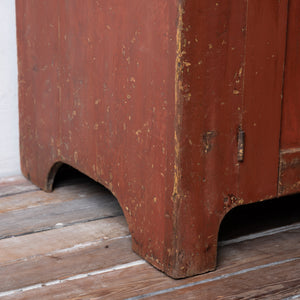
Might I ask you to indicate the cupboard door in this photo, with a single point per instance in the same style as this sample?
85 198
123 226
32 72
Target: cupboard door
289 173
261 107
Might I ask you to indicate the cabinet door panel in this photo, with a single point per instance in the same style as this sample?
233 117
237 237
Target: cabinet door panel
289 176
264 65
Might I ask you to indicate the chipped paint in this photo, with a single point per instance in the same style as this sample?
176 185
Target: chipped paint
176 195
231 201
207 140
75 156
178 84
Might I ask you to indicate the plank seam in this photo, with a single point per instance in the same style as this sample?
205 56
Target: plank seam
292 297
19 193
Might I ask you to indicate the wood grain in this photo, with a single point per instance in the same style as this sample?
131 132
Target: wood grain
62 264
78 235
234 259
15 185
272 284
142 280
35 197
264 65
35 219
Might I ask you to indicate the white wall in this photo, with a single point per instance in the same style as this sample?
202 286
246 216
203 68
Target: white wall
9 135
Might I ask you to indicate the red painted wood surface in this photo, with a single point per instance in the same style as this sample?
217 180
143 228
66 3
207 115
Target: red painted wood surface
147 98
232 74
290 136
211 54
289 175
264 65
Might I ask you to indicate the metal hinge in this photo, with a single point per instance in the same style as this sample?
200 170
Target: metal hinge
241 145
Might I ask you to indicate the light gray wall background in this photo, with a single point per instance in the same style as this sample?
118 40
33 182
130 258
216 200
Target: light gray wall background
9 132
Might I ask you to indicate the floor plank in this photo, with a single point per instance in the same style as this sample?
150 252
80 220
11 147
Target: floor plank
40 218
15 185
272 284
263 250
63 264
78 235
34 198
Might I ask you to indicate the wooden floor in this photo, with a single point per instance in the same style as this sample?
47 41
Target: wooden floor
74 244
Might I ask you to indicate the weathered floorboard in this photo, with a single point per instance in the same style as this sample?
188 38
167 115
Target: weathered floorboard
142 280
272 284
35 219
252 256
15 185
78 235
34 197
65 263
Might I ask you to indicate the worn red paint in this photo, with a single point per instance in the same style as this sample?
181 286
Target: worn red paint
290 137
289 173
148 98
